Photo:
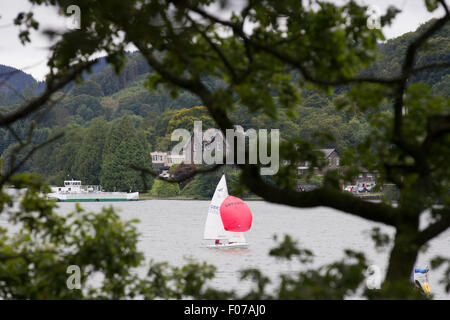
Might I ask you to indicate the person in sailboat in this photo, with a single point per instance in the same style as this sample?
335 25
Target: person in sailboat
217 243
420 278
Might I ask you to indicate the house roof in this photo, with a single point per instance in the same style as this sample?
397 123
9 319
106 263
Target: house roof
327 152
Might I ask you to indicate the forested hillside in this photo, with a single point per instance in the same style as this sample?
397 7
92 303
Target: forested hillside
111 121
16 85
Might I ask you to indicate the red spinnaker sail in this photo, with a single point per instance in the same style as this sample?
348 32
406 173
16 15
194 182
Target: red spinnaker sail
235 214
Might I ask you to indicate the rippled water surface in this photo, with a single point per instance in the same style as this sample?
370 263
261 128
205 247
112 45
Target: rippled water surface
172 230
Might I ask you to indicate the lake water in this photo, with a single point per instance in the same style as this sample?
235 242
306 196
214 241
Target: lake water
172 230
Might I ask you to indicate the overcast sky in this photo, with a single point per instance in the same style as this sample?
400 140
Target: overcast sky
32 57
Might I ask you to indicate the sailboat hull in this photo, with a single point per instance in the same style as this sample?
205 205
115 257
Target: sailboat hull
228 245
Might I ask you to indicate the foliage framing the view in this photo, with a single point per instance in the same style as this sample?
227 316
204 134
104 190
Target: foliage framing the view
328 46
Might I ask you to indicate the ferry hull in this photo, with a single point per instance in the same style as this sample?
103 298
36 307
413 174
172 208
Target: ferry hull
74 191
93 200
94 197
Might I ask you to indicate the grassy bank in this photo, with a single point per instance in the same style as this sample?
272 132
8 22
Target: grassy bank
148 196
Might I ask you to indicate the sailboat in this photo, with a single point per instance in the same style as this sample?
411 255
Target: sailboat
227 220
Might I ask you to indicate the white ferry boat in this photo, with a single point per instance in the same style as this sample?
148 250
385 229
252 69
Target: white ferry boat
74 191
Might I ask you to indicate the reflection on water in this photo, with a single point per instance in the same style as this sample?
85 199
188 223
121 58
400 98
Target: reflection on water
234 251
172 231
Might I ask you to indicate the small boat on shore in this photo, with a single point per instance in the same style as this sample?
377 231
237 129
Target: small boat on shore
74 191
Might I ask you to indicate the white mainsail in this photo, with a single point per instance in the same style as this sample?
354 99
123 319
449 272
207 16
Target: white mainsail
214 228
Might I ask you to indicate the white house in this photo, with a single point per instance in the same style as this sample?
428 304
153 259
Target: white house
164 160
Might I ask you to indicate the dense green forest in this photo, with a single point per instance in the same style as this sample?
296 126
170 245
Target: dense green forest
112 121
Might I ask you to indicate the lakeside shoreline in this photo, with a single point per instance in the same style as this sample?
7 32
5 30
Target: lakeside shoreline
367 196
148 197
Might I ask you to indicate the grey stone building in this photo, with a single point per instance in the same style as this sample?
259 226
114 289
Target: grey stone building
331 157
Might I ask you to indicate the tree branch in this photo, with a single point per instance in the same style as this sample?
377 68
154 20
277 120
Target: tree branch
324 196
15 168
434 229
437 127
270 48
444 5
216 49
51 88
442 65
185 177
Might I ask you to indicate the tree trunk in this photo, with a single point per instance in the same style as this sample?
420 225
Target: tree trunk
401 263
